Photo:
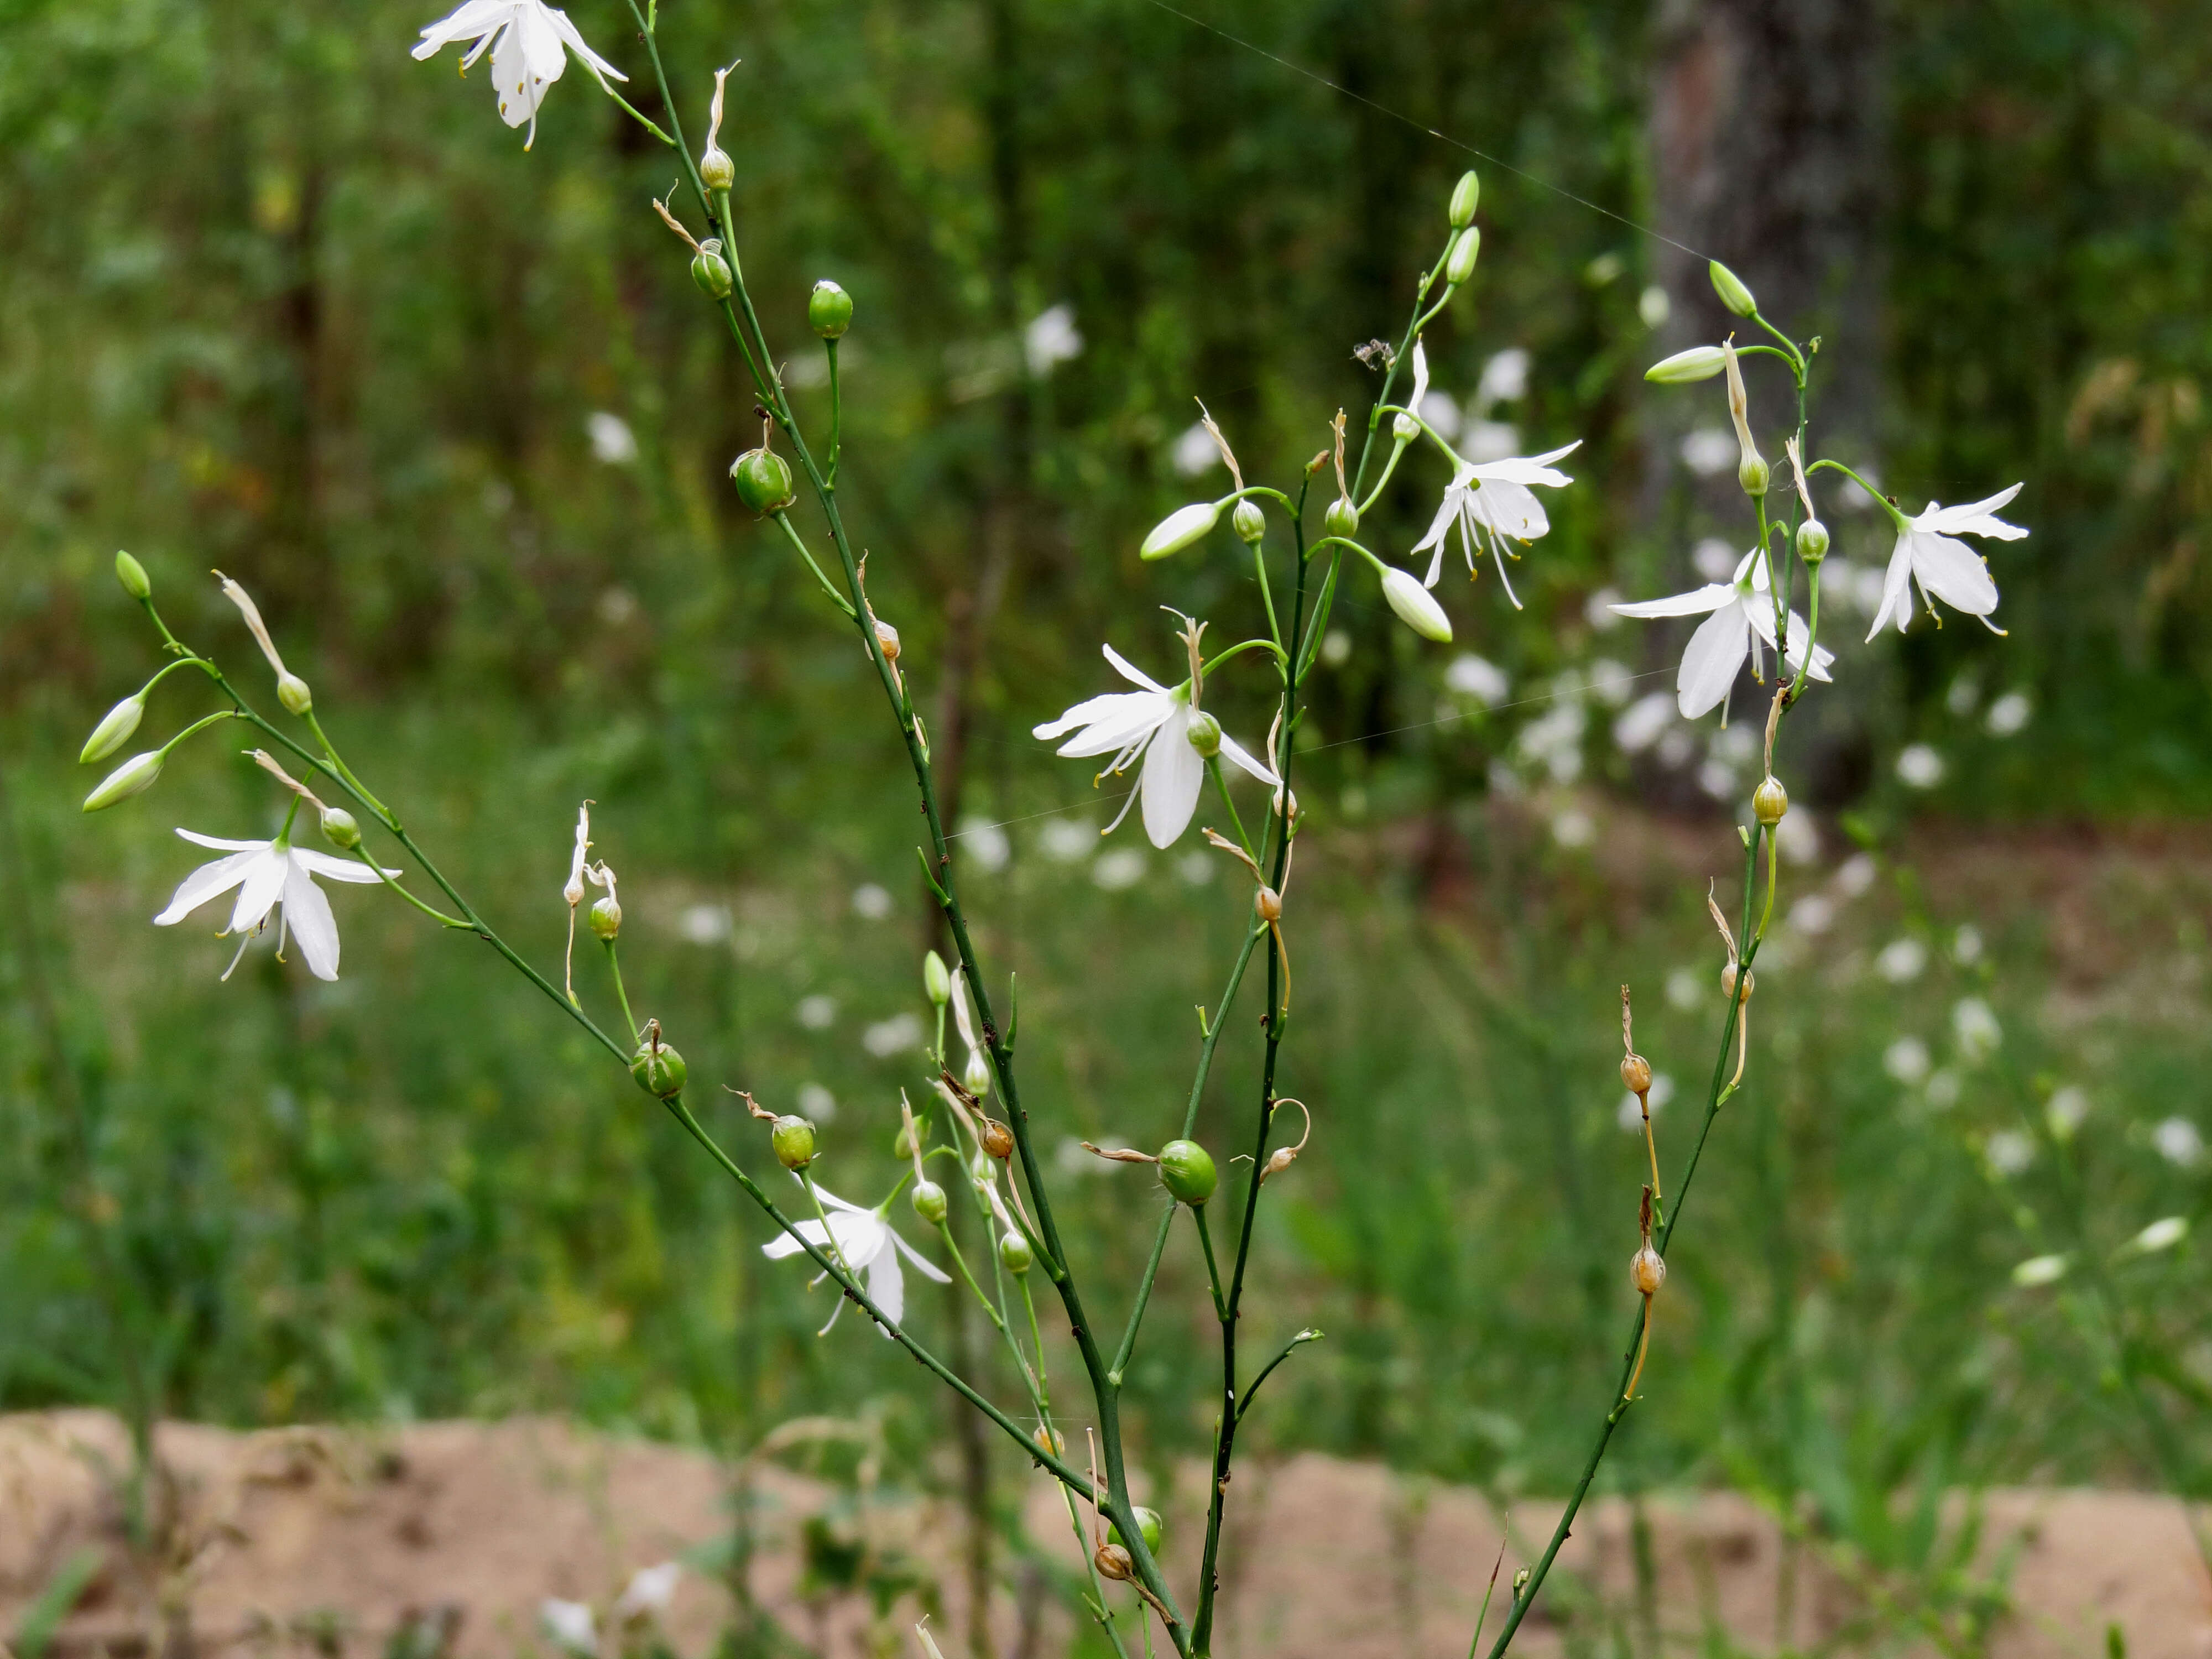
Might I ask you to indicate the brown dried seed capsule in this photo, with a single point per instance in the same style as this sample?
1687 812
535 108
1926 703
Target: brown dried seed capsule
1114 1562
1636 1074
1269 903
998 1139
1647 1270
1728 983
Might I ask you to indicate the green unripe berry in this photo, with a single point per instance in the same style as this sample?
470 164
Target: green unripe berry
829 310
1187 1171
1205 735
712 271
1465 196
1342 519
1733 294
1754 474
340 829
716 170
605 919
292 691
763 481
114 729
1179 529
133 575
1697 363
1812 541
1251 519
929 1201
1015 1254
936 979
659 1070
1459 264
1769 801
793 1140
1150 1527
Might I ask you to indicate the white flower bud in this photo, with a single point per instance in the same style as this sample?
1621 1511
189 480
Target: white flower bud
134 777
1733 294
977 1074
1416 607
1697 363
114 729
1179 529
1405 428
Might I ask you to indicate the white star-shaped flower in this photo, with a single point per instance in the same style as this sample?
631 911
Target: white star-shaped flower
1928 551
866 1243
1154 722
1742 620
268 873
525 39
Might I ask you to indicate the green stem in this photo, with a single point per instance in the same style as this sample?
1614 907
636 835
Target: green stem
1212 1272
387 878
944 1231
836 414
1413 326
1895 517
339 766
622 996
783 521
1236 821
198 725
1252 1388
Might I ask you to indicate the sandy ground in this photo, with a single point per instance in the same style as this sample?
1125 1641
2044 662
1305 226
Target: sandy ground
329 1541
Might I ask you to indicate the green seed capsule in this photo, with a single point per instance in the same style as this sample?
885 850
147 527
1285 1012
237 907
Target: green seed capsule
293 692
1733 294
763 481
114 729
1342 519
1148 1524
793 1138
659 1070
1812 541
1459 265
929 1201
716 170
1769 801
1187 1171
1205 735
829 310
1754 474
1466 195
340 828
605 919
1251 519
712 271
1015 1254
133 575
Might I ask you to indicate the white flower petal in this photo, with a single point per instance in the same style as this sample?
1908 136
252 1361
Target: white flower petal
264 885
1420 377
1527 468
887 1287
1711 661
1237 755
307 913
784 1244
1174 773
205 883
467 21
336 869
929 1268
1695 603
1975 519
1129 671
1510 509
221 845
1896 582
575 41
1139 714
1954 572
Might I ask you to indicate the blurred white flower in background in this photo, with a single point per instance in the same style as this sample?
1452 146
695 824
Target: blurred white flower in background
527 39
1919 766
1335 648
1967 942
1196 869
2008 1151
902 1033
2040 1270
1815 913
650 1590
1798 838
1965 691
1943 1088
703 924
1857 874
1118 870
1194 451
2178 1142
1051 338
2069 1106
1473 677
816 1103
1653 308
1504 378
1685 988
1065 840
871 901
1906 1060
1630 1114
1640 723
818 1012
1554 742
2008 714
1976 1027
1597 610
612 441
1609 682
1574 827
1710 450
1714 559
1901 960
569 1626
985 842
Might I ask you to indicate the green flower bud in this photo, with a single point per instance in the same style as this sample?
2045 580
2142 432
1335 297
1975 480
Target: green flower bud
1342 519
1769 801
1205 735
928 1202
604 918
935 979
793 1138
114 729
711 270
1179 529
1251 519
763 481
133 575
134 777
340 829
1812 541
1187 1171
829 310
1148 1524
1754 474
292 691
716 170
1466 195
1459 264
1015 1254
1416 607
659 1069
1697 363
1733 294
977 1073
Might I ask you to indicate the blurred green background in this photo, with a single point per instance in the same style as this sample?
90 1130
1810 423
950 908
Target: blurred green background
280 301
